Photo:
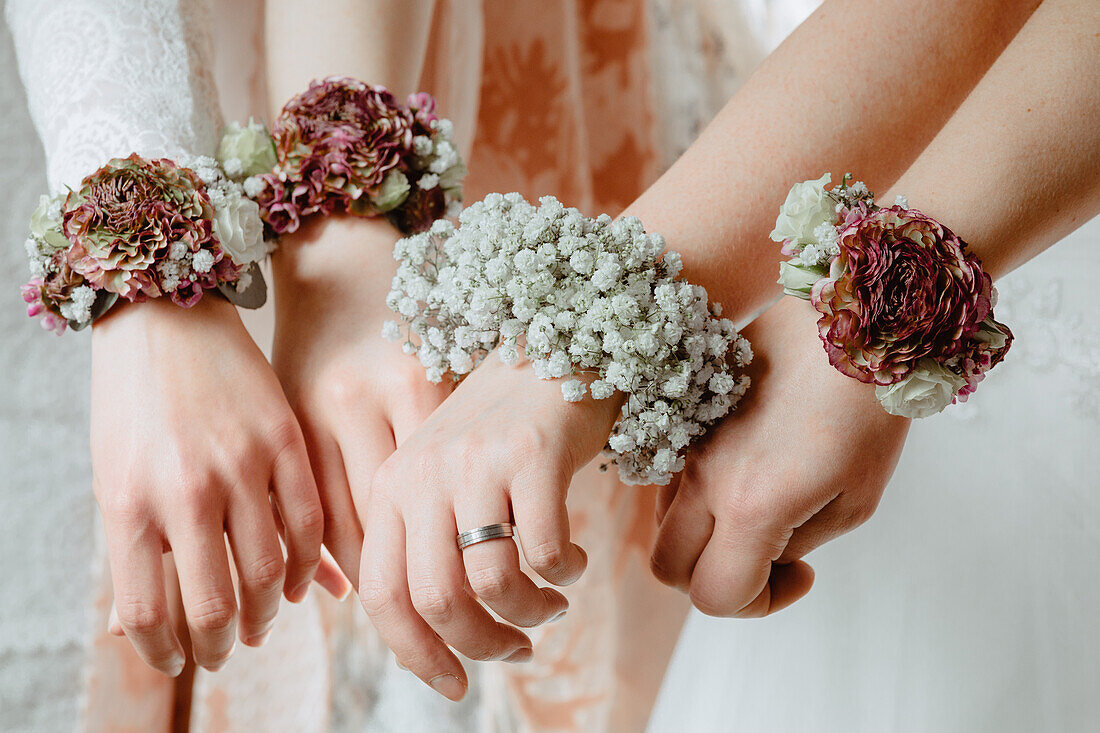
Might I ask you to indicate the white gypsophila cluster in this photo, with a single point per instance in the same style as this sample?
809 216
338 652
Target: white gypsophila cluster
580 297
44 242
78 308
45 238
438 155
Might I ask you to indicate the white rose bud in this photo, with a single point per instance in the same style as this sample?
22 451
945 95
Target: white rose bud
798 280
246 151
807 206
393 191
927 390
238 228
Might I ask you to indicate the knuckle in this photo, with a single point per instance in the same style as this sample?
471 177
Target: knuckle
377 597
309 522
860 512
126 506
139 615
547 557
198 494
212 614
342 389
284 435
749 509
665 574
490 581
711 602
435 602
265 573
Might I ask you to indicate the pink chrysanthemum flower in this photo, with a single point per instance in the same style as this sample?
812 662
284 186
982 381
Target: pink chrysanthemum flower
131 216
346 146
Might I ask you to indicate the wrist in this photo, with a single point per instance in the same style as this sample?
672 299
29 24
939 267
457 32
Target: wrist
159 321
339 250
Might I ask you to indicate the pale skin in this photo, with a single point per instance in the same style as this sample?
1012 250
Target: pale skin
1015 169
744 513
185 489
192 439
344 409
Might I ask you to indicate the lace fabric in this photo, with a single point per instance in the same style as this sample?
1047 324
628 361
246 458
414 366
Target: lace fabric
106 78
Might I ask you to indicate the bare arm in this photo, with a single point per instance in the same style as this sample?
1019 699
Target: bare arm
859 87
377 41
1015 169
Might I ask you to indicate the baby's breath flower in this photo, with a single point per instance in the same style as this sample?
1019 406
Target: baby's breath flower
579 295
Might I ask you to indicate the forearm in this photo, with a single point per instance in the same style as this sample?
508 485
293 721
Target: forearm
1018 166
859 87
381 42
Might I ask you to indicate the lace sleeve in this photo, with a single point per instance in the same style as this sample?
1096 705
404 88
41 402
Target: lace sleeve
106 78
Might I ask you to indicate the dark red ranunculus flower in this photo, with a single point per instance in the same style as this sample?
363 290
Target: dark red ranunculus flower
903 287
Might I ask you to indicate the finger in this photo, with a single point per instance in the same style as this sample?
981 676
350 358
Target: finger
206 587
254 539
331 577
665 496
384 593
364 446
493 569
342 535
843 514
737 575
437 580
542 522
303 519
681 538
140 601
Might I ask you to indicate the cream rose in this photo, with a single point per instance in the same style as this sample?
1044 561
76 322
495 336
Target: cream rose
927 390
798 280
238 228
807 207
246 151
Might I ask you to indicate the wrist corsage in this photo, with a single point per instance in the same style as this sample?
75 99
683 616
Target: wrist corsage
343 145
903 304
578 296
139 229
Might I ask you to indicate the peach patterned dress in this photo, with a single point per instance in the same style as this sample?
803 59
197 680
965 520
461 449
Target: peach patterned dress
562 100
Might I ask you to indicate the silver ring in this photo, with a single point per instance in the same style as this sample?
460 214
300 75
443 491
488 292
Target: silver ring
486 533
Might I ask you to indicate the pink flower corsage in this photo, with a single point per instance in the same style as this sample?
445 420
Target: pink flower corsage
903 304
139 229
346 146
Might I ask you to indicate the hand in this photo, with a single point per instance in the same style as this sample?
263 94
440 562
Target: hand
191 437
356 395
503 447
803 459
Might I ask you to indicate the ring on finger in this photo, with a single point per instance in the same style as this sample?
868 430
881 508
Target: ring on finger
485 533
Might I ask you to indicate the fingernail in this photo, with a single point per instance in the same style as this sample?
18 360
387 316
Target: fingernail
557 616
448 686
177 667
399 665
519 656
113 626
347 592
258 640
